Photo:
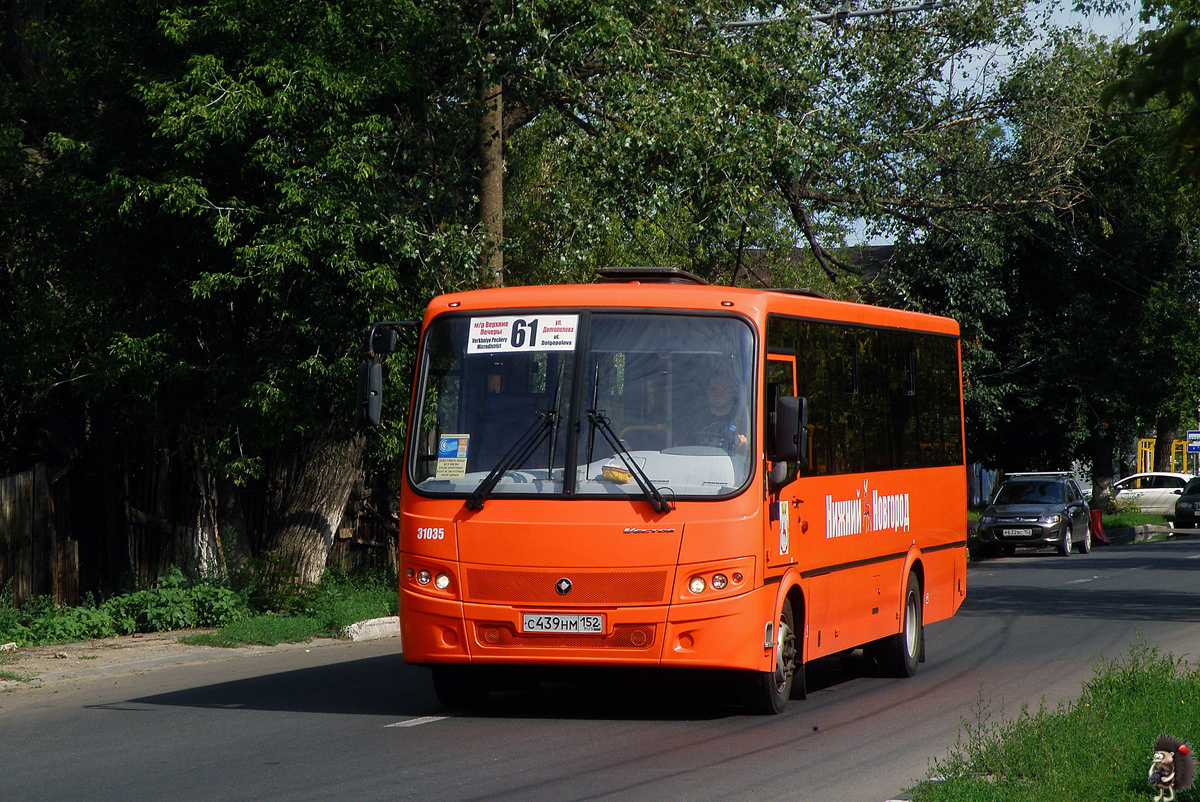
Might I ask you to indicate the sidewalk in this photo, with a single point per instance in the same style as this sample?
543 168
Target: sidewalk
41 665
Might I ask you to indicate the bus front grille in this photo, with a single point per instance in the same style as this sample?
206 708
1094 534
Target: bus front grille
623 636
587 587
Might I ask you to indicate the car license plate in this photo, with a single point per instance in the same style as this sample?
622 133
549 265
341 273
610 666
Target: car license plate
567 623
1018 533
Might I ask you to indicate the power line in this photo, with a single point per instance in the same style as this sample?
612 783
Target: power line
842 14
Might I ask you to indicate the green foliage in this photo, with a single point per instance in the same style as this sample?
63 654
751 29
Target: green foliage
174 604
264 607
1096 748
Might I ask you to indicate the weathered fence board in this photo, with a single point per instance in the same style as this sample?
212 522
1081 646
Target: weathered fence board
32 556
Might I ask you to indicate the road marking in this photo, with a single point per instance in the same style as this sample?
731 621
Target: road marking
1193 556
416 722
1080 581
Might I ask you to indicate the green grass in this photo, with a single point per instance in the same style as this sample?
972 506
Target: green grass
268 629
1097 748
1120 520
322 611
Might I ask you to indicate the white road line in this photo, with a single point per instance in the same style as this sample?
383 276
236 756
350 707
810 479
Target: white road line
416 722
1081 581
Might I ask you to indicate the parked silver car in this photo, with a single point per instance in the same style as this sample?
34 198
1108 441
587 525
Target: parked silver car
1037 509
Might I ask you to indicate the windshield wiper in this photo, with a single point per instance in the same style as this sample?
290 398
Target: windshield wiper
598 420
515 456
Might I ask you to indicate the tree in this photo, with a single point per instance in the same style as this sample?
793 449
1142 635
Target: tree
1165 62
204 206
1078 319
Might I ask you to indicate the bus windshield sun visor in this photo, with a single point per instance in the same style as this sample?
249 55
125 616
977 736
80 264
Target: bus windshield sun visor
547 421
598 420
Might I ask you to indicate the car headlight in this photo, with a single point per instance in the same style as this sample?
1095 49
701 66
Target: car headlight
1183 505
1050 519
987 519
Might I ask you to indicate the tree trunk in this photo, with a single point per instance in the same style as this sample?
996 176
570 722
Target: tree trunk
1103 449
1164 444
491 181
313 503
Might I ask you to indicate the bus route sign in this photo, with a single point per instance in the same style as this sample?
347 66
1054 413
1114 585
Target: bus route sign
509 334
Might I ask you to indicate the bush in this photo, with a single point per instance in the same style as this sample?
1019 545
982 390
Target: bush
170 606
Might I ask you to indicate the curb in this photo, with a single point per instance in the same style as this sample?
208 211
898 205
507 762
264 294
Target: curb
1139 534
387 627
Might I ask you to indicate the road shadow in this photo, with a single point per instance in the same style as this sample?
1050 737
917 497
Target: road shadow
387 687
1081 601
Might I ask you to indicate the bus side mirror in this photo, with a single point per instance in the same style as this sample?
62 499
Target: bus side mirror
382 339
791 428
370 393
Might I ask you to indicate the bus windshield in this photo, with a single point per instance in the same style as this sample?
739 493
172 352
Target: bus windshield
584 404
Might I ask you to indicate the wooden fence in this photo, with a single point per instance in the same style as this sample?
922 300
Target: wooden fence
33 555
79 528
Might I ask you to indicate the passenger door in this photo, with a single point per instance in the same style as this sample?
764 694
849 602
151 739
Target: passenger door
780 380
1167 490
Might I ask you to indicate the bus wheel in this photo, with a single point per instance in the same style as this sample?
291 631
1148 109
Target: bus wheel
458 687
766 692
900 653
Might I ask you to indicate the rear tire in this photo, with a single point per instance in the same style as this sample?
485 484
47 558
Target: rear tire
765 693
1085 545
459 687
899 654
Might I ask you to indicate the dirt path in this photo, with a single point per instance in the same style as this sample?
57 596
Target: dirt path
35 666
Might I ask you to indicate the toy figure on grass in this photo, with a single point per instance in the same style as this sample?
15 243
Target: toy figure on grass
1173 769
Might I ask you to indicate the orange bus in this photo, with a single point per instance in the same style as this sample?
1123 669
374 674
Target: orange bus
653 471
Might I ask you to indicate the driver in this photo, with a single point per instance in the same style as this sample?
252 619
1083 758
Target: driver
727 423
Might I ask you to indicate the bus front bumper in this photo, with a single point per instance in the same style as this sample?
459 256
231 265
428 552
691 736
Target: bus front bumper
723 634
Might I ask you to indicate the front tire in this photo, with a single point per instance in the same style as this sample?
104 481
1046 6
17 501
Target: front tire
766 692
1064 546
1085 545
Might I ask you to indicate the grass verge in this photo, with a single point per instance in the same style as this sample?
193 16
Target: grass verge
322 611
1097 748
1119 520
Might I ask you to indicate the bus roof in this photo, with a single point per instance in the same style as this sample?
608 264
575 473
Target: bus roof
635 295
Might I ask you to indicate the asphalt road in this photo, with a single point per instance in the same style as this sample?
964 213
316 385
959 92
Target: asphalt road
351 722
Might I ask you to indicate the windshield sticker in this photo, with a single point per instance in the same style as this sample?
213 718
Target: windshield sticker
498 335
452 456
867 512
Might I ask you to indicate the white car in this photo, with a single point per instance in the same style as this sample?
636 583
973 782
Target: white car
1152 493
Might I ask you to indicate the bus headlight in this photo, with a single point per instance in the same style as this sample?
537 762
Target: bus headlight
423 577
441 581
696 586
719 581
